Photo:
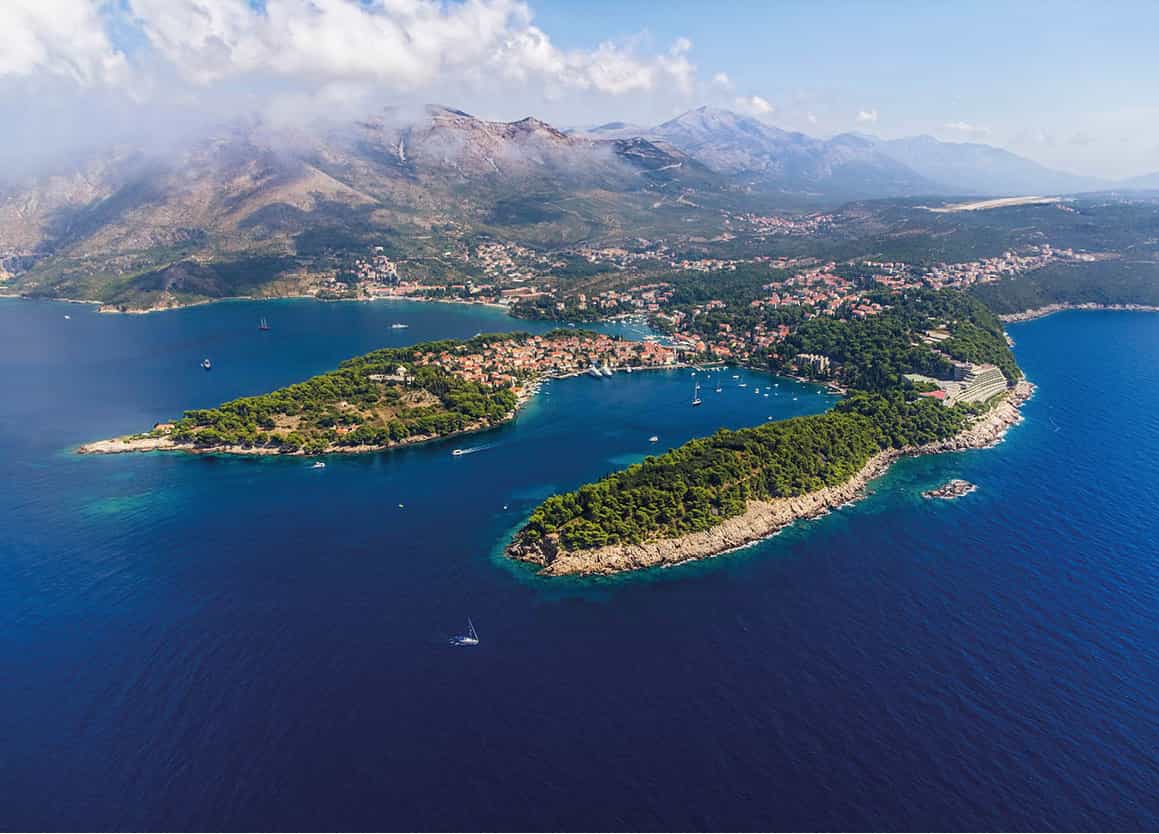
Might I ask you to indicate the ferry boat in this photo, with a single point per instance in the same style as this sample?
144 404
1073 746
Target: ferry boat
205 363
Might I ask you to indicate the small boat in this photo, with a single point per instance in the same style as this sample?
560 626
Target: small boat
766 395
744 385
318 465
205 363
653 439
457 452
263 324
628 368
67 316
696 395
736 376
471 638
399 326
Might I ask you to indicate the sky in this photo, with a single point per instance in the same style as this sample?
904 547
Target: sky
1069 84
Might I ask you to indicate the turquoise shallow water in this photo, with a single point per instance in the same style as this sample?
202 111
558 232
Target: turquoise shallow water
223 643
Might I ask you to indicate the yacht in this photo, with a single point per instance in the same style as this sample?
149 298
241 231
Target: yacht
318 465
205 363
653 439
457 452
471 638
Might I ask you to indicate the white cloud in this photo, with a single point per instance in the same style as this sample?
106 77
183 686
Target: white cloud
867 116
972 131
397 46
722 80
811 118
61 38
754 106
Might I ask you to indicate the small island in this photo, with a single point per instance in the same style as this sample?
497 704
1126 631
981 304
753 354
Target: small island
395 396
950 490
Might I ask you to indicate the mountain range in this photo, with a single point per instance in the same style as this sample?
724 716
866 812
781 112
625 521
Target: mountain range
849 165
188 216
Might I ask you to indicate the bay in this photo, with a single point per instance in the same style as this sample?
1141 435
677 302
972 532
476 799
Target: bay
250 644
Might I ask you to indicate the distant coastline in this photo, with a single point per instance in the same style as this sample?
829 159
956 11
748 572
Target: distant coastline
1050 309
763 518
104 307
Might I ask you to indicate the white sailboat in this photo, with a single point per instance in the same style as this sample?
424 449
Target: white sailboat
696 395
471 638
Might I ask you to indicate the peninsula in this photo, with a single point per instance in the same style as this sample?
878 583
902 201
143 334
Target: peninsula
718 493
395 396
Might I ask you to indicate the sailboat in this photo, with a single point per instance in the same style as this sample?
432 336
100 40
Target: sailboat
263 324
696 395
471 638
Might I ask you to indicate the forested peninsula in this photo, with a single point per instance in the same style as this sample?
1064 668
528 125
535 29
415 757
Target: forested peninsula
713 494
393 397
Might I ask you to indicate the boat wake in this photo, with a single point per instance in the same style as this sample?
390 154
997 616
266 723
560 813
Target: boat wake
473 449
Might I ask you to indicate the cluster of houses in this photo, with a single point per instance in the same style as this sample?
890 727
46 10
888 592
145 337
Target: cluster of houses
509 361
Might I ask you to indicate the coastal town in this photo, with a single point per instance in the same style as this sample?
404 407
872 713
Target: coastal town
559 354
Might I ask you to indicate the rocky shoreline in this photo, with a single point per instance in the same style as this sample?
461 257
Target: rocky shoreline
1049 309
762 518
161 443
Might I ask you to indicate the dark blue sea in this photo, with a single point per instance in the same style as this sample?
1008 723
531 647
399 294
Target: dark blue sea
214 643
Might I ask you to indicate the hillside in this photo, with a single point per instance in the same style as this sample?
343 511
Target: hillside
245 209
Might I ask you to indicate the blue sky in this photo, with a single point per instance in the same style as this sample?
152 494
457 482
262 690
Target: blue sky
1069 84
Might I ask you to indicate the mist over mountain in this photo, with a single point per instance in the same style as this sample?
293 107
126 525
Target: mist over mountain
849 165
253 193
974 168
